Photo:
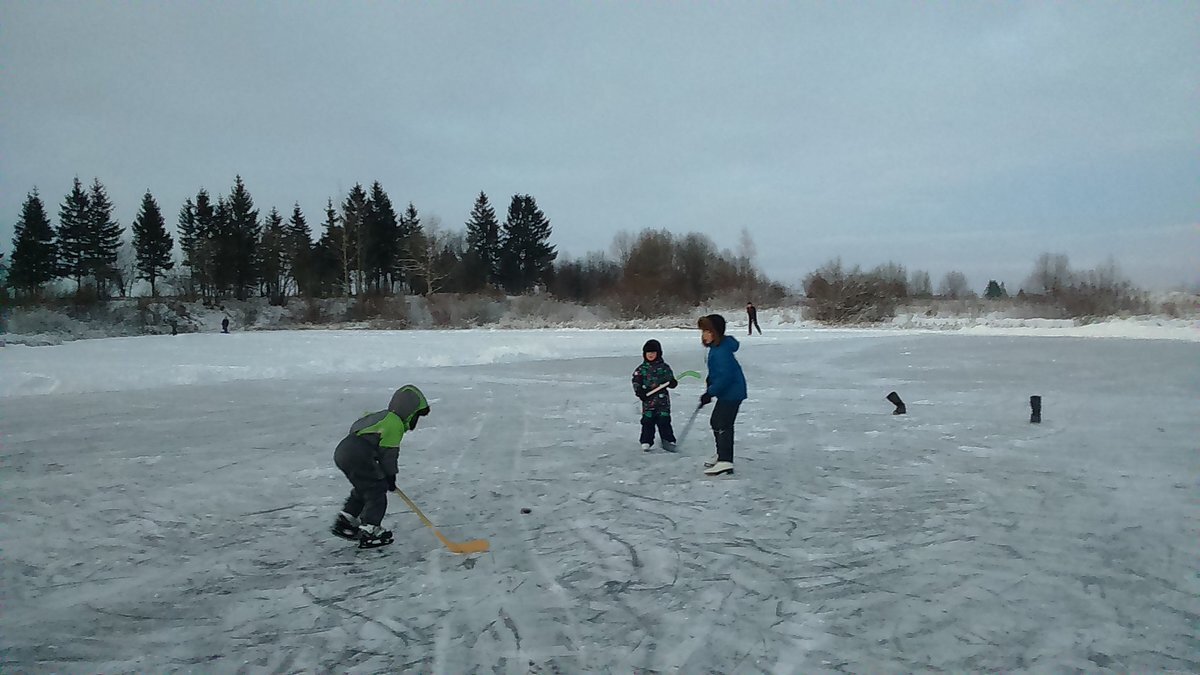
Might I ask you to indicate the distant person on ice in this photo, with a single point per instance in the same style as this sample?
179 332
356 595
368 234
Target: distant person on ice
727 384
752 319
656 407
368 456
225 325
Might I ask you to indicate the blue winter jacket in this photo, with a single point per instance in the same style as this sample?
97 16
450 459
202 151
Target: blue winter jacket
726 382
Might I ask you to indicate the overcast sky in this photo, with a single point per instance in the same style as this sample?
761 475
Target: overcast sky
940 135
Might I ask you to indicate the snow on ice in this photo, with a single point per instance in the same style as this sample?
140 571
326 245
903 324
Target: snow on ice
166 503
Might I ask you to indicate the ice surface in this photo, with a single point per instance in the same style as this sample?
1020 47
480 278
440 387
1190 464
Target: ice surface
166 500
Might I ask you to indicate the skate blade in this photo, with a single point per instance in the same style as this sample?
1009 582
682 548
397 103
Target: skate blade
377 544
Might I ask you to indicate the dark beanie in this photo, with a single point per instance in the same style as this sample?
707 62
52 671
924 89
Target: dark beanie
652 346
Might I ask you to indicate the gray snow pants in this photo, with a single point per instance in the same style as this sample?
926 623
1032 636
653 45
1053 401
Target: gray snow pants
368 496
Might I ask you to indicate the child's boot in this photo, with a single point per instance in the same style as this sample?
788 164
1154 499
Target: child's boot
371 536
346 526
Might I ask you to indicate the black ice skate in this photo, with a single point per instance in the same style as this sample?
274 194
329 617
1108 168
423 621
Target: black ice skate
373 536
346 526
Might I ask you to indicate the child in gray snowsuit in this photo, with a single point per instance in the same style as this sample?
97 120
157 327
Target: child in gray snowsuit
368 457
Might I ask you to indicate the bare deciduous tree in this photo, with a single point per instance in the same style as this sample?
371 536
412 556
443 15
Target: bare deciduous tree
919 285
1051 274
425 256
955 286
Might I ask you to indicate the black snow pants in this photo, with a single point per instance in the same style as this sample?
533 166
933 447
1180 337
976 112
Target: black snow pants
368 497
723 415
660 419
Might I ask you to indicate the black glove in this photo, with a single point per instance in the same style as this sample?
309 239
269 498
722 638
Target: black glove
391 483
642 396
705 399
674 383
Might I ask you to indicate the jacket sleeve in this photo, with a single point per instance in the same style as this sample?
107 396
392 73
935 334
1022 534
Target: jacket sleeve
638 385
388 460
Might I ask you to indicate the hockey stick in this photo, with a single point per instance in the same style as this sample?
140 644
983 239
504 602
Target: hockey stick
687 426
473 546
664 385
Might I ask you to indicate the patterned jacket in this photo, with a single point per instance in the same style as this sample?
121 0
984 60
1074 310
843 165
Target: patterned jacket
648 376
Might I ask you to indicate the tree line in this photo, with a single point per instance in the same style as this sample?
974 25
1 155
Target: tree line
229 250
365 246
836 294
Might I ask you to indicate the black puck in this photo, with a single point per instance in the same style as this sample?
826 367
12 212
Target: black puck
526 510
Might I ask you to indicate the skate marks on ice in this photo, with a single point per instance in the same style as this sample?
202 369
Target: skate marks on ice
1066 546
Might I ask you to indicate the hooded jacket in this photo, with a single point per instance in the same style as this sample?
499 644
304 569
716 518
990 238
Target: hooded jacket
726 381
650 375
385 429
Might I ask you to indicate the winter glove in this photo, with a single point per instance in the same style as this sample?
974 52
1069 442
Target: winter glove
642 396
674 383
705 399
391 483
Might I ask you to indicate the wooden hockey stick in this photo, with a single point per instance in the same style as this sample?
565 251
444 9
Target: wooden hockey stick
473 546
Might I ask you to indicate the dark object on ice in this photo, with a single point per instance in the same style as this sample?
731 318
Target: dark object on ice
526 510
894 398
1035 407
225 325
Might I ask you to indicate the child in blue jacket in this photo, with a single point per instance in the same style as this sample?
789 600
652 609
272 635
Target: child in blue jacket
727 384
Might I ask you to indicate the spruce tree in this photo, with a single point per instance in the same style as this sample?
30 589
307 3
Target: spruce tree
354 238
298 250
200 245
332 254
103 239
483 242
71 236
152 243
381 231
526 257
240 239
995 290
272 256
34 258
410 237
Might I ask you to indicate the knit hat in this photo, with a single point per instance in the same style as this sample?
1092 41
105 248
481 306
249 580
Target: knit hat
652 346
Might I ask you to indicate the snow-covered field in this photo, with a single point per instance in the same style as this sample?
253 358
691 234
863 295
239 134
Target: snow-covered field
164 505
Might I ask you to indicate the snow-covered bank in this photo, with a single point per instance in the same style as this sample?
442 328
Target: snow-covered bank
40 326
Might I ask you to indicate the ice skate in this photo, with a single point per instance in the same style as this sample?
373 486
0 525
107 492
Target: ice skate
371 536
346 526
718 469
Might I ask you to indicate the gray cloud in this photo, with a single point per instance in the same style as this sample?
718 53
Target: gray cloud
964 135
